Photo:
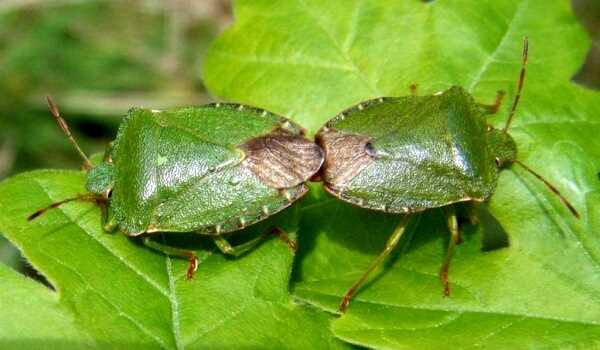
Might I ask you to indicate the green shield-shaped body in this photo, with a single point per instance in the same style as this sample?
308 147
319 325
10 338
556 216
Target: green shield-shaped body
210 169
407 154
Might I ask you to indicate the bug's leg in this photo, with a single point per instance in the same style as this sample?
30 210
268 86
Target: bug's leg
176 252
389 247
413 89
108 153
452 223
240 249
243 248
282 235
494 107
109 222
472 212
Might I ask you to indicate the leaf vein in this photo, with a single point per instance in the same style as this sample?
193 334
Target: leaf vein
495 332
464 310
120 311
175 325
145 277
353 27
312 63
359 74
492 56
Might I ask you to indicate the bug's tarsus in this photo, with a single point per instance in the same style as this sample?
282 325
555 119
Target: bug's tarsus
192 267
520 84
413 89
347 297
445 279
81 197
65 128
282 235
552 188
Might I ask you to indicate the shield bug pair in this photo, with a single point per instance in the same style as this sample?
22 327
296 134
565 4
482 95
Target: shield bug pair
211 170
218 168
408 154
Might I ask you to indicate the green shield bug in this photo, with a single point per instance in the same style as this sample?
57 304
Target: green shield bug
408 154
212 170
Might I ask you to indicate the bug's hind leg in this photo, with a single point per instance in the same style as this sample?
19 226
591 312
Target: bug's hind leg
176 252
241 249
455 238
389 247
494 107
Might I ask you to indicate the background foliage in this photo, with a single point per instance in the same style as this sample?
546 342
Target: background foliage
98 59
307 60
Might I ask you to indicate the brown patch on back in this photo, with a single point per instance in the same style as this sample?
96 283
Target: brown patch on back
282 159
346 155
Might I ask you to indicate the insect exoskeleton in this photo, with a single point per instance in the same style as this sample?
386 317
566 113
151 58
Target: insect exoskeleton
408 154
211 170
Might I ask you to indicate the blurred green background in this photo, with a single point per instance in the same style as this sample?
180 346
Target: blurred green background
99 58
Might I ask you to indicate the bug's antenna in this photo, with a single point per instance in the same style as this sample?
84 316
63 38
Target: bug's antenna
551 188
65 128
520 85
81 197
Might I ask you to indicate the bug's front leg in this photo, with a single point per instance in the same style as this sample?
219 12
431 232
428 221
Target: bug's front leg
173 251
452 223
241 249
109 222
108 153
494 107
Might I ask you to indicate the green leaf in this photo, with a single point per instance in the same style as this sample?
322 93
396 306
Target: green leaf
311 59
125 295
47 326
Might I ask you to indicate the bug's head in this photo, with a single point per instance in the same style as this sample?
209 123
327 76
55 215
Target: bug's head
99 177
503 147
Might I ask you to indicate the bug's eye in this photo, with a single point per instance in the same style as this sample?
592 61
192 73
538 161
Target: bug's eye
370 149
